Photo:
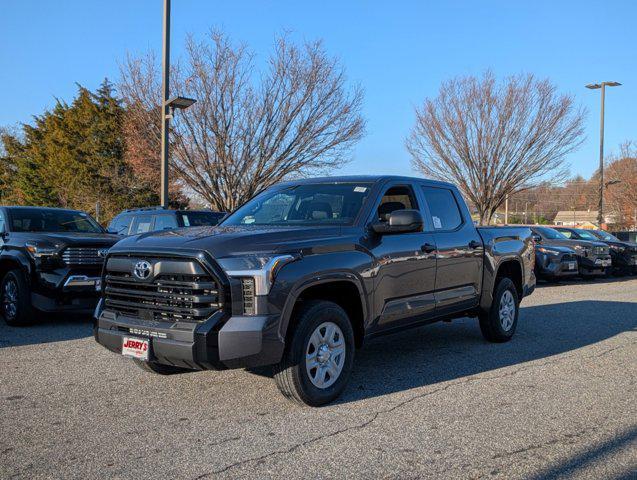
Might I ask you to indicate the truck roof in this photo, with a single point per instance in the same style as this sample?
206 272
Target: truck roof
365 179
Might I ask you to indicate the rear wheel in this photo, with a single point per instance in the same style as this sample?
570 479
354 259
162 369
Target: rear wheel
159 368
499 323
318 360
16 299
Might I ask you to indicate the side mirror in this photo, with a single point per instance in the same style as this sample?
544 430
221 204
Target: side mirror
400 221
536 238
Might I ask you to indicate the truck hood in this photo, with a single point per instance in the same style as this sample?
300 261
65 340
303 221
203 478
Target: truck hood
568 242
235 240
68 238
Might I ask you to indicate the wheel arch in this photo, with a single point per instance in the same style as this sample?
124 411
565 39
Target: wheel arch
342 288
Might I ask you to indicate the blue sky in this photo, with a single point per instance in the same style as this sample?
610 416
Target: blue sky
399 52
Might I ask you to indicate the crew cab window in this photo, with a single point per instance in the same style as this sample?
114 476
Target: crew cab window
120 224
396 198
566 233
445 214
165 222
141 224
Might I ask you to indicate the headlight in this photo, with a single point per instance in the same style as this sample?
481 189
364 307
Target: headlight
548 251
617 248
263 268
41 250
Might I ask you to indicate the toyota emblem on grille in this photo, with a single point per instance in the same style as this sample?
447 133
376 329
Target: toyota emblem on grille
142 270
102 252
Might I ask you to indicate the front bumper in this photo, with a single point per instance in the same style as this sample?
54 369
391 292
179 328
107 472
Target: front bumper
556 266
65 291
220 342
595 265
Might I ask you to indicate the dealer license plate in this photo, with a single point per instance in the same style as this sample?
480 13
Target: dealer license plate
136 348
571 265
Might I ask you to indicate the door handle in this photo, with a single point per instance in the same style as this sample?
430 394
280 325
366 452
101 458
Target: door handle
473 244
428 248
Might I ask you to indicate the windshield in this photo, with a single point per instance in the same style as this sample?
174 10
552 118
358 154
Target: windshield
304 204
550 234
200 219
41 220
606 236
586 235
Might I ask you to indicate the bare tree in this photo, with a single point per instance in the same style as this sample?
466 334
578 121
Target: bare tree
493 139
621 197
248 129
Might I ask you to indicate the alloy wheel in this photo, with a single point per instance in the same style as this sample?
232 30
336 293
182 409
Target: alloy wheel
507 310
10 299
325 355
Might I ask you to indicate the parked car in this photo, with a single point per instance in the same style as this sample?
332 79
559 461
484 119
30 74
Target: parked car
553 260
303 273
593 255
50 261
624 254
151 219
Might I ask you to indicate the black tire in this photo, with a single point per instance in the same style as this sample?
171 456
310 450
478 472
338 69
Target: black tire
291 374
159 368
24 312
491 324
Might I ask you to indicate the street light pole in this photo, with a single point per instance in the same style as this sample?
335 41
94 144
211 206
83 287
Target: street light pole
602 86
165 113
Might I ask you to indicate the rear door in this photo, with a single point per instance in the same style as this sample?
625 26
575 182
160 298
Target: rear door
459 250
406 272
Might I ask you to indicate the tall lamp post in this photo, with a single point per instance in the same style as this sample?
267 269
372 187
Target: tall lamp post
168 105
595 86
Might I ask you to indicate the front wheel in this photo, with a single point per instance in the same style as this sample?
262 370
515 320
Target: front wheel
16 299
499 323
317 362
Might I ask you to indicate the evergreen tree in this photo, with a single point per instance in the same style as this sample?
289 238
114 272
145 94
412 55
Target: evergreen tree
73 156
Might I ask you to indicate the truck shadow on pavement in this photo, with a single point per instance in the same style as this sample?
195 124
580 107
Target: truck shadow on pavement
442 352
46 329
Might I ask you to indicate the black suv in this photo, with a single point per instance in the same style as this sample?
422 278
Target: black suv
50 261
152 219
624 254
553 259
303 273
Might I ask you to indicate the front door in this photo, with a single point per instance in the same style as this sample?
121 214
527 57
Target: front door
405 263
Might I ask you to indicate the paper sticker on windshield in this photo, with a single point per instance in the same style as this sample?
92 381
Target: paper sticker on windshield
360 189
437 222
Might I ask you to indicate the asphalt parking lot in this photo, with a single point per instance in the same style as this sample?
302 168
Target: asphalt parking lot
559 401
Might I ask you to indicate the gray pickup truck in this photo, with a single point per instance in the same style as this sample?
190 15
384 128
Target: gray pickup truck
306 271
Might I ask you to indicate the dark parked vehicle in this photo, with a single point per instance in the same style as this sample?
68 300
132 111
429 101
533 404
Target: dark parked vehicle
50 261
624 254
303 273
151 219
593 256
553 261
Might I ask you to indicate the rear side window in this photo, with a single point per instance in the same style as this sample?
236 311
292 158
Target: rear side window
445 214
566 233
141 224
165 222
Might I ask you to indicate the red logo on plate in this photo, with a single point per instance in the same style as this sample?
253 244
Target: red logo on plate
136 345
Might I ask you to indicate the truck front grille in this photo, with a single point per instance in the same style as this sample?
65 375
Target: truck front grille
178 290
83 255
569 258
600 250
